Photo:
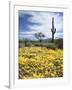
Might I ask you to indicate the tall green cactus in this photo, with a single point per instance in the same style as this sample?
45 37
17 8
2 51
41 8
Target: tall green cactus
53 30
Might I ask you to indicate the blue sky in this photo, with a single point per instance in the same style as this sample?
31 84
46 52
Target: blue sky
31 22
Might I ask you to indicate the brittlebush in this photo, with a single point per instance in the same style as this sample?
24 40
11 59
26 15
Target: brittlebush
40 62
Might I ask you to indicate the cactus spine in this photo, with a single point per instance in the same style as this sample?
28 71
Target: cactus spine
53 30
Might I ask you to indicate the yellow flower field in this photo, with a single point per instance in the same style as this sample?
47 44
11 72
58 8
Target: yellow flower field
40 62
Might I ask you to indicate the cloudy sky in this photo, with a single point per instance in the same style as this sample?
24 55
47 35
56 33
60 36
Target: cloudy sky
31 22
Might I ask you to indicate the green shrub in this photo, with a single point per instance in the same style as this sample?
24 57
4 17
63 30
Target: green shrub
59 43
47 45
28 44
51 46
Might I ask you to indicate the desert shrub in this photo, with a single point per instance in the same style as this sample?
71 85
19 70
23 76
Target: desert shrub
28 44
51 46
47 45
38 44
59 43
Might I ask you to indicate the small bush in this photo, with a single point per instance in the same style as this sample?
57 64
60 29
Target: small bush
51 46
28 44
47 45
59 43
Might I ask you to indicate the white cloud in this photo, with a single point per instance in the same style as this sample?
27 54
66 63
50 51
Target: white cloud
45 19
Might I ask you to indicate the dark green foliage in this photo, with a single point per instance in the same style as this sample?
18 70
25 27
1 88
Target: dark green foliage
47 45
51 46
59 43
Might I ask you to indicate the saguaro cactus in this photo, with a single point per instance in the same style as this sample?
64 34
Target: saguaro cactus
53 30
